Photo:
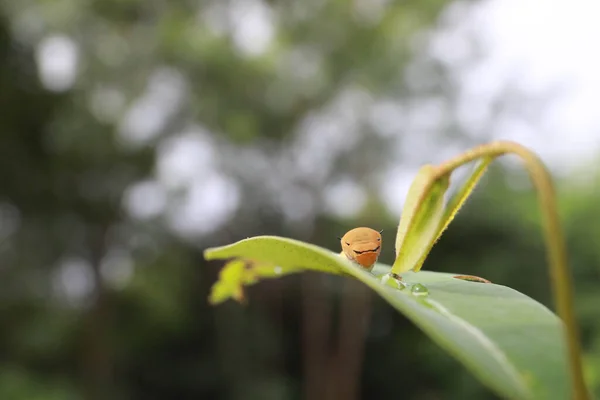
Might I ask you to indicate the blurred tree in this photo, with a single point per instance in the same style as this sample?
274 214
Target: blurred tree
137 133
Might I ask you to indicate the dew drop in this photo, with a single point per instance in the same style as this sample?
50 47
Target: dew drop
393 280
278 270
419 290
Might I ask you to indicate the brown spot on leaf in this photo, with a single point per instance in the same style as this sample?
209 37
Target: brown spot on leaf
472 278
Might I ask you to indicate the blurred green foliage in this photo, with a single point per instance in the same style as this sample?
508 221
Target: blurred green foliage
103 286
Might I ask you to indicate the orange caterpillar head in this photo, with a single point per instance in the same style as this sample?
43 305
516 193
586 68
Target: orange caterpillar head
362 245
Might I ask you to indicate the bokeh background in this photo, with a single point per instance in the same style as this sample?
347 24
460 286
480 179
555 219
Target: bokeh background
136 133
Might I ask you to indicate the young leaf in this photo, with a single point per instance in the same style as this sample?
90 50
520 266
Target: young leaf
421 219
507 340
413 199
463 194
455 204
238 273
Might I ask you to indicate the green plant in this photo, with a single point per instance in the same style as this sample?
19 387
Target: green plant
509 341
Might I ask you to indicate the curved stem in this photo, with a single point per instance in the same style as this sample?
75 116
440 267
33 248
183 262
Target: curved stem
555 243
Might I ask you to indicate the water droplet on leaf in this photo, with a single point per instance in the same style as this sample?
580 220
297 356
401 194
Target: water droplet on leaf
393 280
419 290
278 270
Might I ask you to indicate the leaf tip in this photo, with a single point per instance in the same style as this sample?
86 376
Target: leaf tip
209 254
219 295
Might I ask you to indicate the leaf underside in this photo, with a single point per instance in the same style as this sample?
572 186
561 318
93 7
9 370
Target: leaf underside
509 341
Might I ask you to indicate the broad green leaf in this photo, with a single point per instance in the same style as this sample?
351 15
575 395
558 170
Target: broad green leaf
421 219
510 342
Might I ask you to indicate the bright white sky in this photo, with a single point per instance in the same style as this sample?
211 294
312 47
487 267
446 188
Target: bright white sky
541 44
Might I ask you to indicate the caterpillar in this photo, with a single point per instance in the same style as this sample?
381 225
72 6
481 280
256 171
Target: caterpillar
362 246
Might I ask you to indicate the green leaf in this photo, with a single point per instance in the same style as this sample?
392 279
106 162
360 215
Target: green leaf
510 342
452 209
421 219
463 193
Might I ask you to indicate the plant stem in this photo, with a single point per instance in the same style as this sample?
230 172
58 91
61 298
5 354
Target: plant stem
555 243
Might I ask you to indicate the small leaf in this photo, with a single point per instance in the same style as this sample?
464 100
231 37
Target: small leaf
463 194
242 272
455 204
510 342
413 199
230 283
421 219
